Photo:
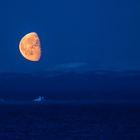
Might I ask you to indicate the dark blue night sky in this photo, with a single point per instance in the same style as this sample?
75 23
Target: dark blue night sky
102 34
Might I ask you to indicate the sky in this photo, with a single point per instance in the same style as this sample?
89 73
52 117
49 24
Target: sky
103 35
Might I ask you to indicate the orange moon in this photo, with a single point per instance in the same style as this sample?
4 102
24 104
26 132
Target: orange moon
30 47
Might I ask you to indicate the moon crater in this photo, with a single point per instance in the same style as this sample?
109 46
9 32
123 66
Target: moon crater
30 47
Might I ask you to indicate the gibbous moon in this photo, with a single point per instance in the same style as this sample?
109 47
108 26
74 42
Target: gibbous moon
30 47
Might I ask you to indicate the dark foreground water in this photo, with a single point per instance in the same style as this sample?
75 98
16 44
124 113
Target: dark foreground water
70 122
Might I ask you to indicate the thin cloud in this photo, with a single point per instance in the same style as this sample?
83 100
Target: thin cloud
71 66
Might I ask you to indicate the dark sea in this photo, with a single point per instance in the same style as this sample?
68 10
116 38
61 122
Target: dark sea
70 122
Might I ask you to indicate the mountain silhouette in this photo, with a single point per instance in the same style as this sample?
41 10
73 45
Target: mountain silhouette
89 85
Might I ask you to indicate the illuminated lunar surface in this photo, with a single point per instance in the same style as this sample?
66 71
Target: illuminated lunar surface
30 47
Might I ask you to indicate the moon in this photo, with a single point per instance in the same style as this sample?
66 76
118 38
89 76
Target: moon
30 47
